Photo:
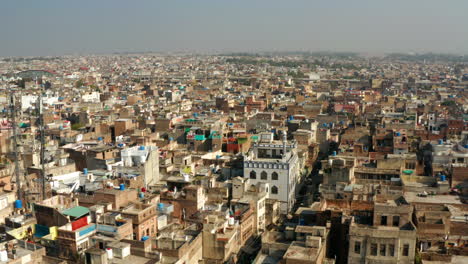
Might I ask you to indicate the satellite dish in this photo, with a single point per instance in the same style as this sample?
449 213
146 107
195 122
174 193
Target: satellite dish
79 137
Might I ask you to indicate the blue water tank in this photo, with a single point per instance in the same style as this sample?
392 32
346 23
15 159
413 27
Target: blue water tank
160 206
171 139
141 195
334 153
398 134
99 138
331 124
195 115
218 156
442 177
18 204
85 171
142 148
441 141
120 145
122 187
144 238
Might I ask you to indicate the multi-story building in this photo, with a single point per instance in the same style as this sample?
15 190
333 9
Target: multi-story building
388 237
275 163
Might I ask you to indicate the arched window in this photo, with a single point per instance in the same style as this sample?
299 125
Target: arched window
274 176
253 175
263 175
274 190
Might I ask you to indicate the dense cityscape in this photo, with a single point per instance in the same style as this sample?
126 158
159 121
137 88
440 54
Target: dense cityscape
288 158
234 132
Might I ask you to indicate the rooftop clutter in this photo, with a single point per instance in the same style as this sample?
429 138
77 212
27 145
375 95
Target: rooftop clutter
233 159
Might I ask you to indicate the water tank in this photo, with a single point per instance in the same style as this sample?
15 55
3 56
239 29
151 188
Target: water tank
302 221
141 195
171 139
110 253
3 256
18 204
85 171
334 153
122 187
99 138
442 177
398 134
218 156
186 177
160 206
141 148
441 142
120 145
144 238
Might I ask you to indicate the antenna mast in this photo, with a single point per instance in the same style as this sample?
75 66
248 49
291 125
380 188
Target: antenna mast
41 130
15 143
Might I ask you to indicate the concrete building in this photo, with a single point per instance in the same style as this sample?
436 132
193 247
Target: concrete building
275 163
388 237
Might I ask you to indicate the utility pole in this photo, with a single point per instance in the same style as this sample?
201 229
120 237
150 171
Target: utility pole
41 131
15 143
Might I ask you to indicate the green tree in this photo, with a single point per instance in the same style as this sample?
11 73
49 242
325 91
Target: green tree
79 83
77 126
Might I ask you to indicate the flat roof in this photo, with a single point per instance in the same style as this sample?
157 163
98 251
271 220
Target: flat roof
77 211
412 197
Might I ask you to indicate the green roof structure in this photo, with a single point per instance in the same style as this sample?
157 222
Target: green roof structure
76 212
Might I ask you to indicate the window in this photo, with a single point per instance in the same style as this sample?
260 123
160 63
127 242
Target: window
263 175
357 247
274 176
253 175
383 249
373 249
274 190
405 250
391 250
396 220
383 220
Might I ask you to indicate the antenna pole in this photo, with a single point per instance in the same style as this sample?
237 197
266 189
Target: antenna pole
41 130
15 142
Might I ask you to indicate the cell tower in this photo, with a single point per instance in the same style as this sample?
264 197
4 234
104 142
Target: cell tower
15 144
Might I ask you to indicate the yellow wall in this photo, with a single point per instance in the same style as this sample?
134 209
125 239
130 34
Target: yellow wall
22 232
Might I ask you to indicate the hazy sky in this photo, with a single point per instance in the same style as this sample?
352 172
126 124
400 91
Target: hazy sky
46 27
